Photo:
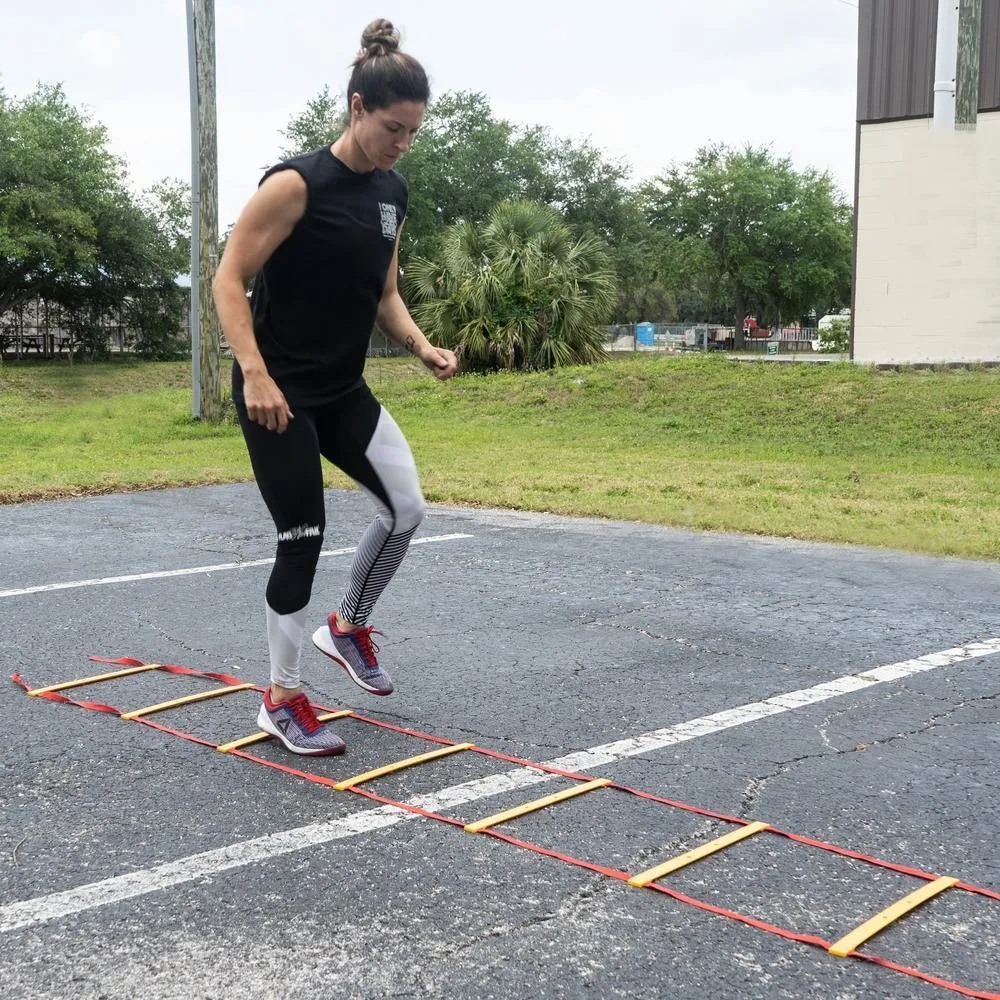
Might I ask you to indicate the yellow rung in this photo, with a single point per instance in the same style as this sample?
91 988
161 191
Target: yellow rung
696 854
65 685
857 937
186 700
528 807
379 772
260 737
330 716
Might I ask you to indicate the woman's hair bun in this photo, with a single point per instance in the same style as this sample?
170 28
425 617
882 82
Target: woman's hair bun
382 75
380 38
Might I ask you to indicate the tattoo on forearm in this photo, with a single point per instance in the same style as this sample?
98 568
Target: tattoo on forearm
410 343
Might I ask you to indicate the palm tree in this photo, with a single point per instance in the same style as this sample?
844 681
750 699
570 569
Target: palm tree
518 292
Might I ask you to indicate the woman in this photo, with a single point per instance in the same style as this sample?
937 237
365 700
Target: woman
320 238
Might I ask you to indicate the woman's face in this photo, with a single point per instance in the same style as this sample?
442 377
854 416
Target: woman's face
385 133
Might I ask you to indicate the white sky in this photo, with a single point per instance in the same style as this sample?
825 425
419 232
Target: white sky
647 80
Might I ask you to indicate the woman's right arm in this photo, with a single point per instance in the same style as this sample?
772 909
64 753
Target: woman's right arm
265 223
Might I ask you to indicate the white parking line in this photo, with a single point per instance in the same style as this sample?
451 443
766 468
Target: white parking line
193 570
31 912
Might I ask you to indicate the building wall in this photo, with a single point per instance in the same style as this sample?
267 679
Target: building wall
927 285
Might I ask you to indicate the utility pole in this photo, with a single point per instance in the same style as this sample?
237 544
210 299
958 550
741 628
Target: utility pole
970 18
206 397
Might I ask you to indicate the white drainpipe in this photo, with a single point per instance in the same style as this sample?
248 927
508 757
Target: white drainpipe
945 63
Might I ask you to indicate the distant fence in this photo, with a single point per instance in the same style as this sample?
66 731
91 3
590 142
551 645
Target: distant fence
381 346
40 329
676 337
45 330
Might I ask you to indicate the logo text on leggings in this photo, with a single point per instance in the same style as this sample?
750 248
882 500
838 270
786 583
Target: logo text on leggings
302 531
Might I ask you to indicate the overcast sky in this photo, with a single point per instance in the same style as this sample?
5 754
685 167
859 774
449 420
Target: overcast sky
649 81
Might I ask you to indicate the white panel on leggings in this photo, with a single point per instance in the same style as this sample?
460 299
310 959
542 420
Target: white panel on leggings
284 643
392 460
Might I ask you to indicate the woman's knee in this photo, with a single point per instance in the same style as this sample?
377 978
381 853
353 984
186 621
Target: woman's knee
290 585
410 511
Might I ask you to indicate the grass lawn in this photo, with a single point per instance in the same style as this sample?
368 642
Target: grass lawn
834 452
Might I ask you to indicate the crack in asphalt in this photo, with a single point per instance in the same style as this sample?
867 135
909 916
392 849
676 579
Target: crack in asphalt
756 784
229 662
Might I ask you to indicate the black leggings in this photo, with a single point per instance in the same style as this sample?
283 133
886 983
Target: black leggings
359 437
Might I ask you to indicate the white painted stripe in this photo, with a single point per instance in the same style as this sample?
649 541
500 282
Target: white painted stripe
193 570
587 760
139 883
31 912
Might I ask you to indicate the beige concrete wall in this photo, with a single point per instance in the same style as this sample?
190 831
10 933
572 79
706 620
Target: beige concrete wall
928 275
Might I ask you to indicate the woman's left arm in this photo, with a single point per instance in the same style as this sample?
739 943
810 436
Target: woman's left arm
394 319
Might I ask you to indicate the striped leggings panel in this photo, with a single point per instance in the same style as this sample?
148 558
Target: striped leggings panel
400 509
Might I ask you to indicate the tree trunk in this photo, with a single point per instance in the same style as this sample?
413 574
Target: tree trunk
741 317
211 395
14 290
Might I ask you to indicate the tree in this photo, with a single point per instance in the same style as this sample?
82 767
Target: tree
168 204
593 195
71 231
519 292
812 242
155 309
317 125
464 162
55 181
778 241
588 189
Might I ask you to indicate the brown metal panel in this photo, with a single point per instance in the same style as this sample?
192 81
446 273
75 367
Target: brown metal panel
896 40
866 12
924 38
989 57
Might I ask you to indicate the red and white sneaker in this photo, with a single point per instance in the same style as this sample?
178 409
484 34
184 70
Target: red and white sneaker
355 652
294 723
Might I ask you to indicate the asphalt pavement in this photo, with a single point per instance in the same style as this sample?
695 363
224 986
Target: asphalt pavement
135 864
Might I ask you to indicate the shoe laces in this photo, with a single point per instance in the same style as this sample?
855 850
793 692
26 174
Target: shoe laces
367 644
304 714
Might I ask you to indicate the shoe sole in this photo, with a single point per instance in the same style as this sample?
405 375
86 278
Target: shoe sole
321 640
265 725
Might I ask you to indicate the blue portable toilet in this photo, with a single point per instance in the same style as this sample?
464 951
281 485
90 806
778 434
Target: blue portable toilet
644 334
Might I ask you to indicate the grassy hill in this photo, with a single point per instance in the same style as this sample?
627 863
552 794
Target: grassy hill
834 452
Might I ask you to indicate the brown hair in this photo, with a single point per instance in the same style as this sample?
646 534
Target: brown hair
383 75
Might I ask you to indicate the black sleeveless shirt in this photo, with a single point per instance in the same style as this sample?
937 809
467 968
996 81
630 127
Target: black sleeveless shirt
314 301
